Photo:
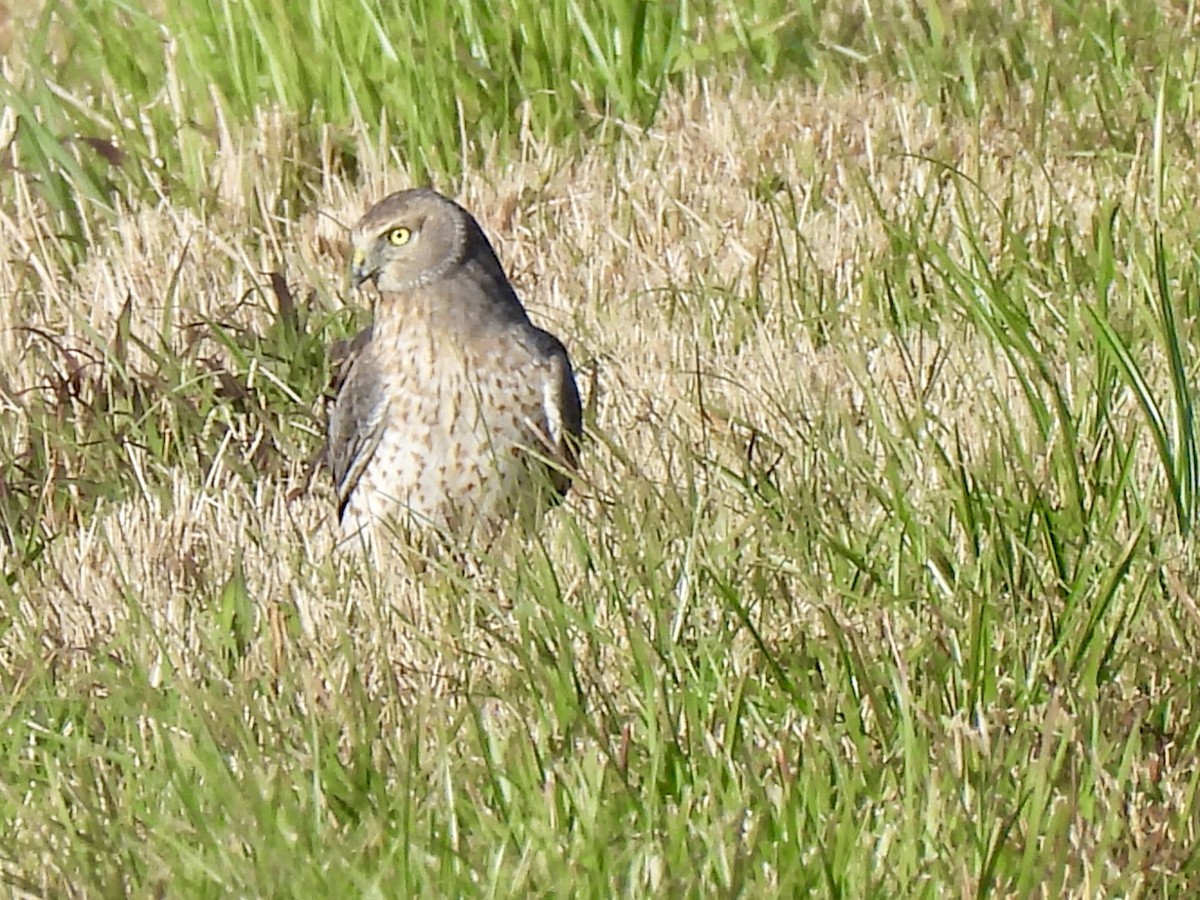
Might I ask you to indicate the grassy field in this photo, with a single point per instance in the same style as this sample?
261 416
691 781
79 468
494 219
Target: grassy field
880 578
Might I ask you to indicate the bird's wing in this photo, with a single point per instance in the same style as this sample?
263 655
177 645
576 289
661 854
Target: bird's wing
356 426
562 412
342 355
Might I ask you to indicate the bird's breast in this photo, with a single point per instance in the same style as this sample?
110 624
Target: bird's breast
457 426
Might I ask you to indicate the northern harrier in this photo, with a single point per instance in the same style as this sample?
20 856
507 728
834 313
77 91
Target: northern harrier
456 410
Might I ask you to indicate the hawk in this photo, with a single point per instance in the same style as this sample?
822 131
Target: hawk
456 411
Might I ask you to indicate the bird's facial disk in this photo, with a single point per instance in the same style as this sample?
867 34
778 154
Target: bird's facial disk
372 252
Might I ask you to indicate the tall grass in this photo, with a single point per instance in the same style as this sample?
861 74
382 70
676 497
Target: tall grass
114 103
117 101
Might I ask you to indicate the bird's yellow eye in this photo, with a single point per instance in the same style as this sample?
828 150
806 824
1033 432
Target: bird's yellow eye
398 237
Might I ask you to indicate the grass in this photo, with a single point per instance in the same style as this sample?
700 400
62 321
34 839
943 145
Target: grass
879 580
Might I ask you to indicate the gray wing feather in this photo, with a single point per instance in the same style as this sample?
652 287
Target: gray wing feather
356 426
561 405
570 407
342 355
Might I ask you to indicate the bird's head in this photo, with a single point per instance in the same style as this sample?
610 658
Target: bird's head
410 239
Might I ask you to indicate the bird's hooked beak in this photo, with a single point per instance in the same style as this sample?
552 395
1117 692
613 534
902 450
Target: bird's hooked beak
360 271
